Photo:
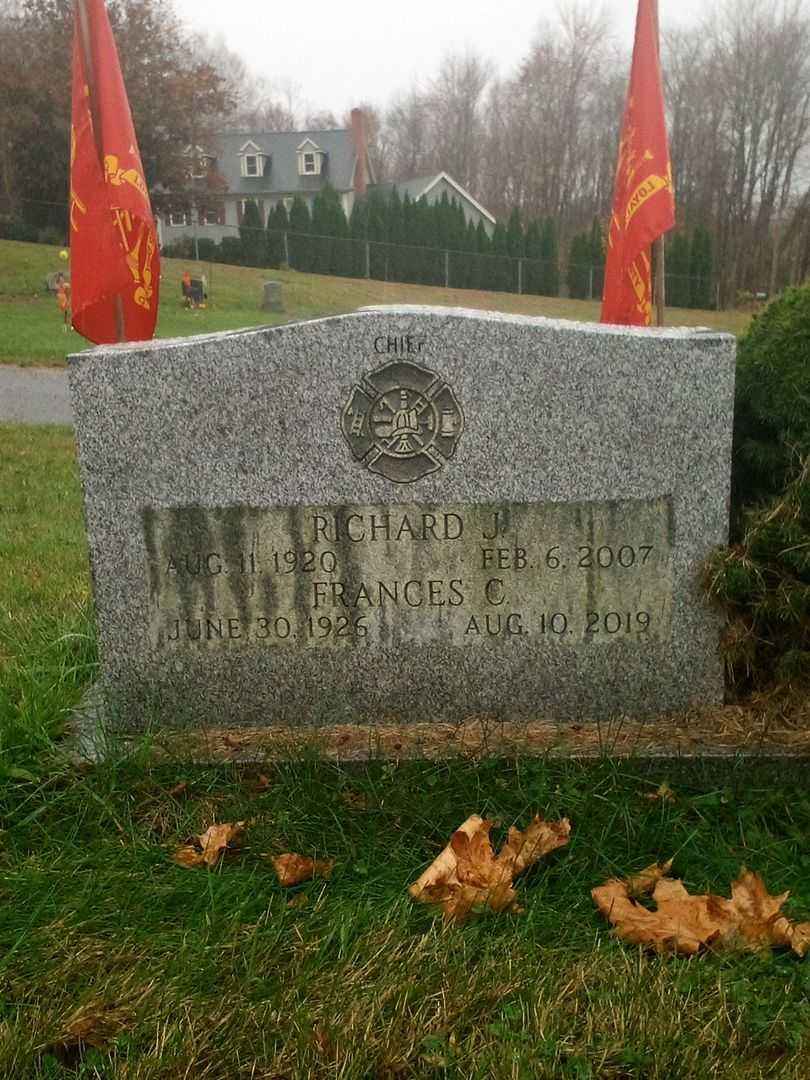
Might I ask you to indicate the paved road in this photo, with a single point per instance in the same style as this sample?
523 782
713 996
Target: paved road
34 395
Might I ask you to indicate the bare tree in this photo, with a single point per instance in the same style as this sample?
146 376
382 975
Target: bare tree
759 72
255 104
454 104
408 136
552 127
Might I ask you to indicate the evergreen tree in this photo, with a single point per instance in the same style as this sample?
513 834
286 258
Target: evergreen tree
444 222
482 249
597 259
329 231
458 231
456 236
423 234
515 249
358 231
375 232
251 235
408 266
342 252
298 239
515 243
393 236
483 244
579 264
438 241
499 277
677 270
532 276
277 225
320 247
700 269
549 254
469 271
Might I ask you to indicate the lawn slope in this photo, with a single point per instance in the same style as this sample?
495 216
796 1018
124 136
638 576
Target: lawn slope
32 331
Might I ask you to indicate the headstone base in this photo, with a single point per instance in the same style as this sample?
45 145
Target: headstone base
711 732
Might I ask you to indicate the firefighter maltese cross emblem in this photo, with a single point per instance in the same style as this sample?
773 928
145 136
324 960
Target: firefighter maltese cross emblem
402 421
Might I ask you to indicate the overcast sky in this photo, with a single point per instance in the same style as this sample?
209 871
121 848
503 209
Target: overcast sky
339 52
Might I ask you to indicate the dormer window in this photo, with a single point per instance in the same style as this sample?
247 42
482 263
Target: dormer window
252 159
310 159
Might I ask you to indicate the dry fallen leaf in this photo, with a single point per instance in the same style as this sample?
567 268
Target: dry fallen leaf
323 1043
354 799
179 789
292 868
262 782
467 872
92 1026
663 794
187 855
644 882
209 845
749 922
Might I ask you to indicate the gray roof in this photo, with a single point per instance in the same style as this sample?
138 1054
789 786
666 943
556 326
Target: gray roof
281 172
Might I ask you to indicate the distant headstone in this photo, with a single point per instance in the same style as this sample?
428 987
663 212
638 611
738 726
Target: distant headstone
405 514
271 296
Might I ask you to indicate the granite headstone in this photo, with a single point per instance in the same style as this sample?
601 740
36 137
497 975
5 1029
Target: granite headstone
271 296
405 514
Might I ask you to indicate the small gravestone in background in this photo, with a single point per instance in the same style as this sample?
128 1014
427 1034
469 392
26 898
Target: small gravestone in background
271 296
405 514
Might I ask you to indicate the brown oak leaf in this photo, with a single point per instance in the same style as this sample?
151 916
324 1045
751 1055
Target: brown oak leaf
750 921
292 868
663 794
354 799
467 873
209 845
93 1025
644 882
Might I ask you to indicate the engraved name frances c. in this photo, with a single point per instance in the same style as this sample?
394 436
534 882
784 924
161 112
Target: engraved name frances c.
402 422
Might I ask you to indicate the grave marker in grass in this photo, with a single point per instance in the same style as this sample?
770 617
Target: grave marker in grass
405 514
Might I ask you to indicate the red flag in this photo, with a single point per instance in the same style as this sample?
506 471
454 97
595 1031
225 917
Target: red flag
643 199
114 259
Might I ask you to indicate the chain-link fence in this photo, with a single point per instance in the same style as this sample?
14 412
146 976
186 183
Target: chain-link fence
357 257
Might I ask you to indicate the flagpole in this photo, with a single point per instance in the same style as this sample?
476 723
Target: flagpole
658 254
90 73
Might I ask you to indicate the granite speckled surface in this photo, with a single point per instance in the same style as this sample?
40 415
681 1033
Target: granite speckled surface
553 411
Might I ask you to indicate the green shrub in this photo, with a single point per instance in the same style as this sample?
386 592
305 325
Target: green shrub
764 584
772 410
230 250
763 578
181 248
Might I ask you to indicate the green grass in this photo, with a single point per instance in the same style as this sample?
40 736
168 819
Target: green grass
46 638
212 974
172 973
33 331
